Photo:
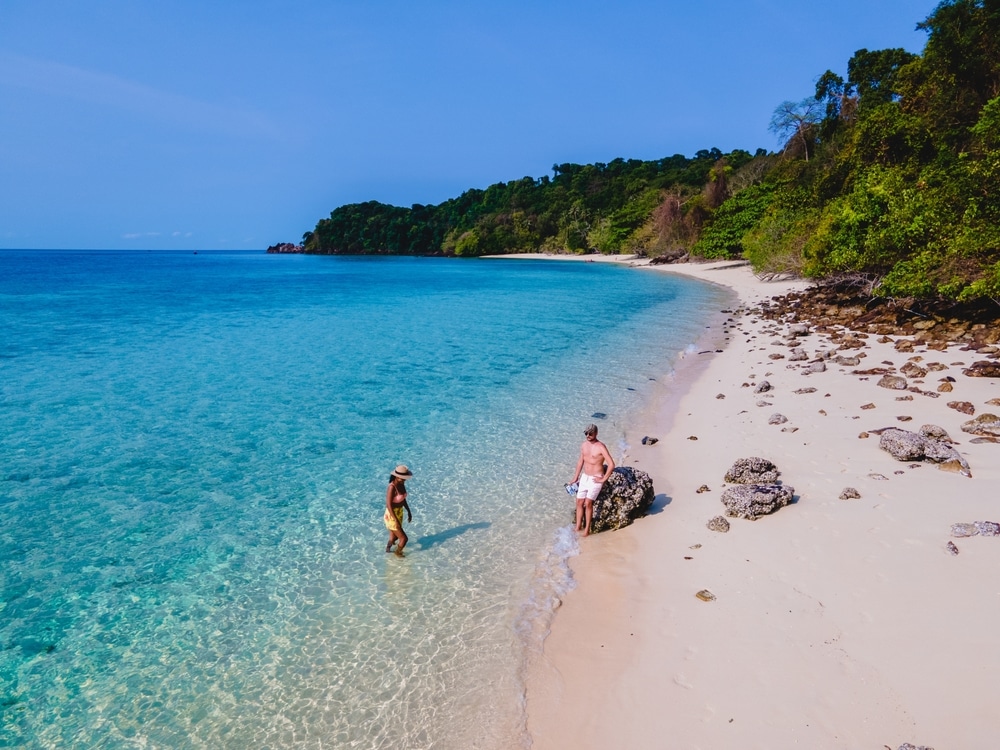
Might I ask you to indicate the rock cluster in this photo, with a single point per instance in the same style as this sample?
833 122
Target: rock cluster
934 323
286 247
625 496
757 491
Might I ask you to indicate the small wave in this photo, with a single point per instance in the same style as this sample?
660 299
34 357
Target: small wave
687 351
551 581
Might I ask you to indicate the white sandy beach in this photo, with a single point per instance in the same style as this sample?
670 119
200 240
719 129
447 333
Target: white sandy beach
837 623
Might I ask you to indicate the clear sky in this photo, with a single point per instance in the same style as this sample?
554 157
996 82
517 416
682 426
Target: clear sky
235 125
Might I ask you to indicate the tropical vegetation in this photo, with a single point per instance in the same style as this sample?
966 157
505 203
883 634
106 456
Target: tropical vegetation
889 176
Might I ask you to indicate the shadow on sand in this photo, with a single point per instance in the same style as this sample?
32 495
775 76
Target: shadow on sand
660 503
432 540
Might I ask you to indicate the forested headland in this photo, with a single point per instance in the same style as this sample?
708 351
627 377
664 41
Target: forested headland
889 176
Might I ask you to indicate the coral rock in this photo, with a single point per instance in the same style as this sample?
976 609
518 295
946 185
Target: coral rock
892 382
983 369
625 496
986 424
719 523
963 406
752 470
752 501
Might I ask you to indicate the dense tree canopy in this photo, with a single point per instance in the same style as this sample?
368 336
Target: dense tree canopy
603 207
891 175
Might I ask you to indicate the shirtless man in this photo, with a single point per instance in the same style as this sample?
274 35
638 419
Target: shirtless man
592 470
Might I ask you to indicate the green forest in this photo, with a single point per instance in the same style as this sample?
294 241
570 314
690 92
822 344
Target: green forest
889 177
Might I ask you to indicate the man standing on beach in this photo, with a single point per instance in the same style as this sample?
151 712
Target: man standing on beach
592 470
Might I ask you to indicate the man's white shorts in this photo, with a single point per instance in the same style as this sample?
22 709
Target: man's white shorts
590 488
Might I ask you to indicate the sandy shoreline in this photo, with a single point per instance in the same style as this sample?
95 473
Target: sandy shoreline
837 623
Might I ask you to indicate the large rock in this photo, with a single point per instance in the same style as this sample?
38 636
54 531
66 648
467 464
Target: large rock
752 470
983 369
985 424
626 496
904 445
755 500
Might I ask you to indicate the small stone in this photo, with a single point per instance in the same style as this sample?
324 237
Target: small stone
777 419
650 440
801 391
764 403
913 370
945 388
721 395
879 477
823 412
863 436
762 387
703 488
993 402
892 382
952 549
705 595
987 528
904 398
868 406
816 367
904 418
963 529
789 429
718 523
847 361
955 465
692 437
965 407
850 493
775 356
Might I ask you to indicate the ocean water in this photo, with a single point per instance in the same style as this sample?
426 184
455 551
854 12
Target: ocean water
194 451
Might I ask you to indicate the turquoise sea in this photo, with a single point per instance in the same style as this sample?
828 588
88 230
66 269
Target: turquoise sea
194 451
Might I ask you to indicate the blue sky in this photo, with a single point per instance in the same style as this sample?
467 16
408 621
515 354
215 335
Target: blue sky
235 125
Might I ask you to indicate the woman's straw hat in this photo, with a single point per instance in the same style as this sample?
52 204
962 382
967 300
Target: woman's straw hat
402 472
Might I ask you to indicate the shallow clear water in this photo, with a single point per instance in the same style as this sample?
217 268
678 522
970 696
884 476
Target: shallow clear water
194 450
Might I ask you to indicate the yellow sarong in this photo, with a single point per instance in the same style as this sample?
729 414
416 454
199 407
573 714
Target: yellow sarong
394 520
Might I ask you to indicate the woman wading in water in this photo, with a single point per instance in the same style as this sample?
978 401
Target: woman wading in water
395 502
